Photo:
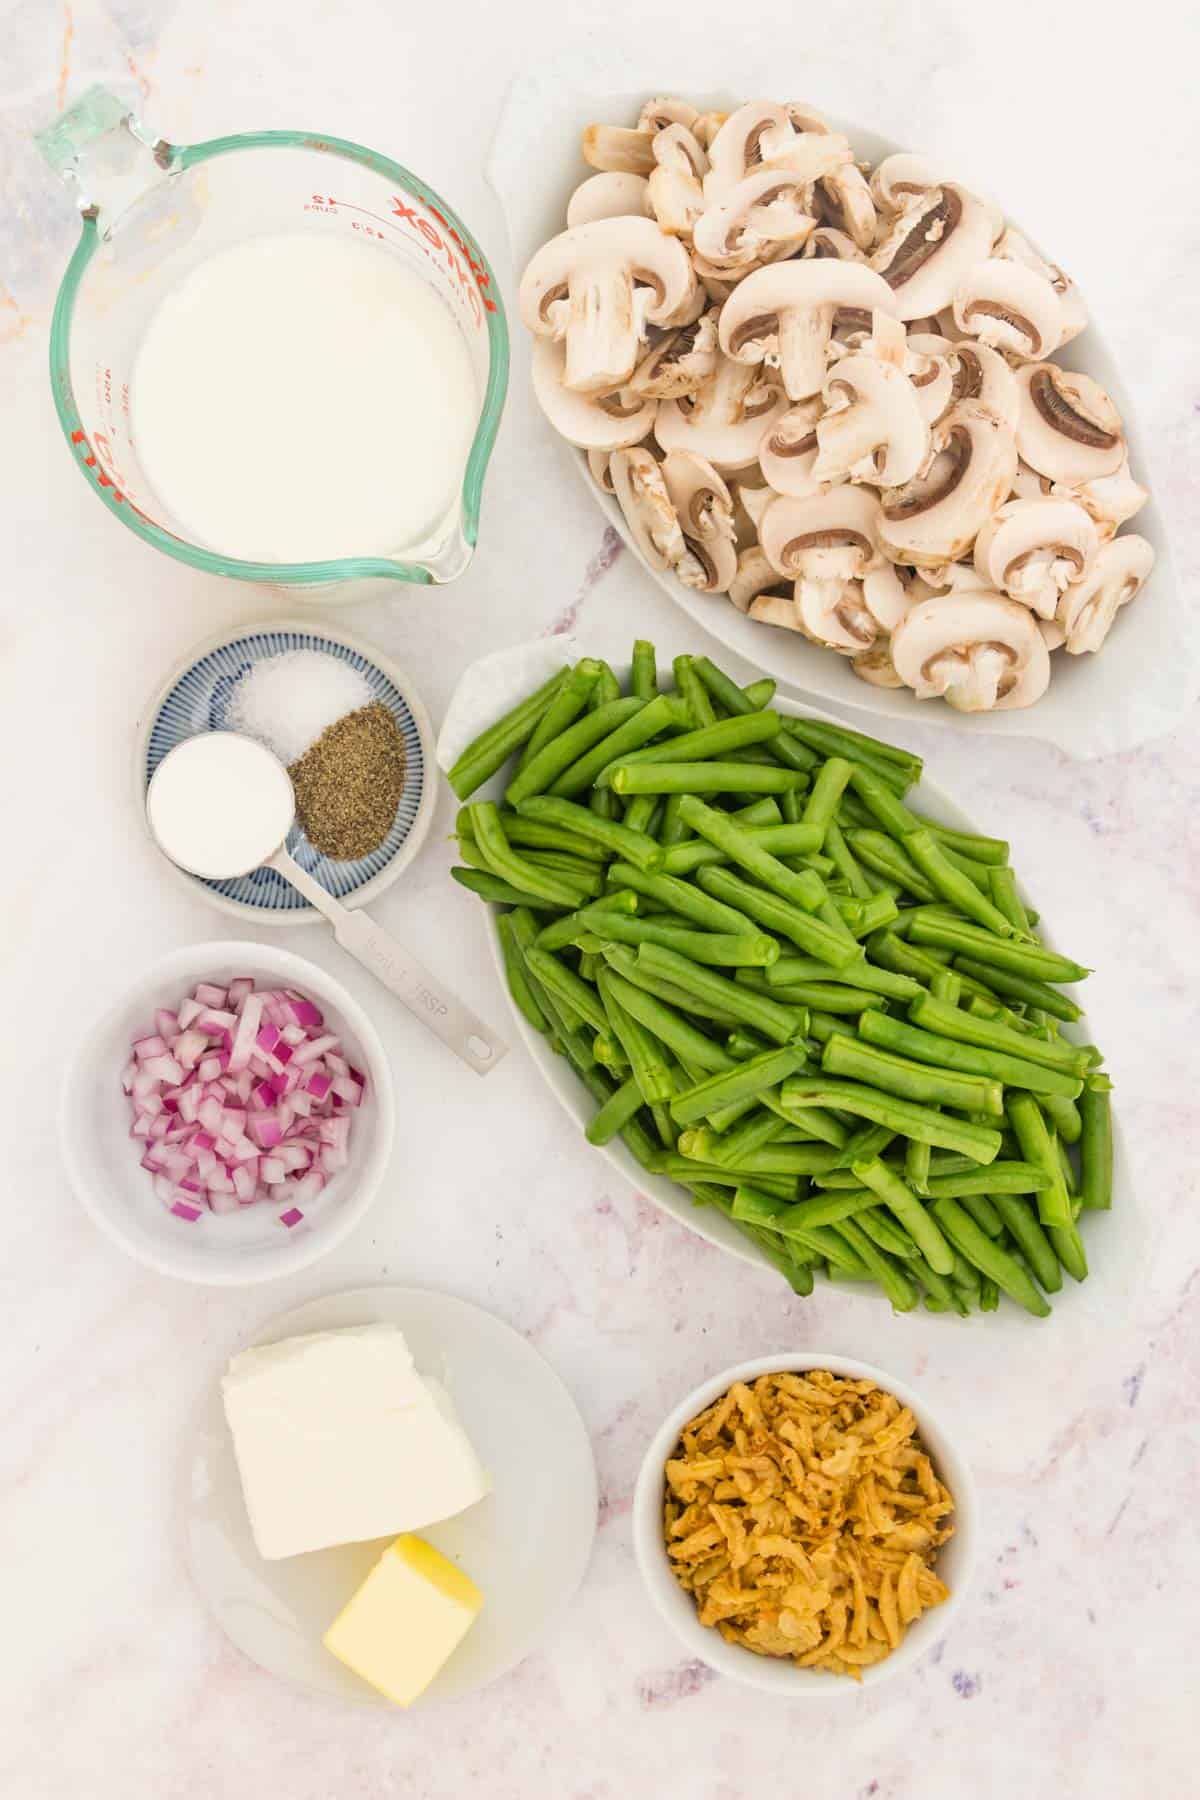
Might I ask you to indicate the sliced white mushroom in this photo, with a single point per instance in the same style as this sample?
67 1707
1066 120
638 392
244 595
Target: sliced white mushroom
901 179
835 614
610 195
599 422
775 609
1034 549
787 450
725 419
929 362
1115 575
667 109
706 126
982 375
955 578
979 652
1029 485
641 492
618 149
752 134
876 666
888 597
704 508
763 214
1111 500
752 499
827 544
844 203
784 315
674 187
1053 635
872 428
1067 427
754 578
935 517
680 362
598 469
827 241
1073 313
1009 307
581 285
930 247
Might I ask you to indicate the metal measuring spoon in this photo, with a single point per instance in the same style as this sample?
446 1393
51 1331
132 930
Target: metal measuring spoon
220 804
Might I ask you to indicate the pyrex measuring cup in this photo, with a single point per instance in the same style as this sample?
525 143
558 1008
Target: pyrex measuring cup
152 211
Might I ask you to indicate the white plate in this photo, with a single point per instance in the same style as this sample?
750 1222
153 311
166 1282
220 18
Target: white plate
526 1544
1147 675
1115 1241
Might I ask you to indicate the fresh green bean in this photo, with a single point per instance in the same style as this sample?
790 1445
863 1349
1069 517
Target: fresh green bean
900 1116
571 699
780 916
836 740
947 986
1002 885
1021 1223
866 1062
663 713
725 950
964 939
559 754
890 1274
990 850
957 1022
567 986
997 1178
608 688
894 1034
690 689
752 1133
955 887
735 701
1029 1127
749 1078
668 1025
782 840
518 982
615 1114
760 693
643 677
780 1193
643 1049
916 1166
623 961
988 1257
531 834
908 1209
767 1016
564 931
718 740
886 1233
632 846
509 865
869 1141
701 778
1020 987
683 897
882 853
830 997
1064 1115
858 974
827 790
493 747
499 893
673 831
1096 1144
845 862
882 802
984 1214
864 917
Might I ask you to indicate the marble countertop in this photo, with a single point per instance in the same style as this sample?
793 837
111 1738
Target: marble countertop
1073 1668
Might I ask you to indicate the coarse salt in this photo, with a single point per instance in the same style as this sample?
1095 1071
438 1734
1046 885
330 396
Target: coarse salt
288 700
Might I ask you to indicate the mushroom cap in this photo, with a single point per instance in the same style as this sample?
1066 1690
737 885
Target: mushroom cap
1067 427
835 614
788 311
980 652
1115 575
1033 549
901 179
982 375
930 366
936 517
674 188
617 148
787 450
764 210
706 126
724 420
872 429
580 285
833 536
590 421
828 242
664 110
641 492
886 596
876 666
1009 307
704 508
930 247
680 362
755 577
752 134
609 195
751 499
1073 313
845 203
1110 500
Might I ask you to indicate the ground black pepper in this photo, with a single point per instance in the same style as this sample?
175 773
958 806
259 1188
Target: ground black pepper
348 785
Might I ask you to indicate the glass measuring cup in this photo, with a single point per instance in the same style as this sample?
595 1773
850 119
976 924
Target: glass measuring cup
152 211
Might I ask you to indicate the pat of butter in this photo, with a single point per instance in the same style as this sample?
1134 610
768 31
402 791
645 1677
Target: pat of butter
338 1439
406 1620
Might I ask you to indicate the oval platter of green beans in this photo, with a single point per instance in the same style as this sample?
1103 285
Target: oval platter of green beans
805 1006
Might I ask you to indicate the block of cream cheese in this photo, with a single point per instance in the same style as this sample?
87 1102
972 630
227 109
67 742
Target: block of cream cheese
409 1615
339 1439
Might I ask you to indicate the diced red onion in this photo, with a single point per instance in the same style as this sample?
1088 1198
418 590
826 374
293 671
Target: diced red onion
240 1096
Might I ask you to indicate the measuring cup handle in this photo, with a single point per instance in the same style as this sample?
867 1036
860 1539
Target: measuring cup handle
421 991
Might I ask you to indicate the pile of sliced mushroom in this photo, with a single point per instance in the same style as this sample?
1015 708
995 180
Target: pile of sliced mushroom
825 391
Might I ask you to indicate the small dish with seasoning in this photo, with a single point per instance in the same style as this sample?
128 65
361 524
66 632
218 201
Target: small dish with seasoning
345 722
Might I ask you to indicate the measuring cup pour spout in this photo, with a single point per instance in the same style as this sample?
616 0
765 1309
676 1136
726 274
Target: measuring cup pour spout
155 213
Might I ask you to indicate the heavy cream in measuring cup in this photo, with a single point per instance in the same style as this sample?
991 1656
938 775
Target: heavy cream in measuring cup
304 398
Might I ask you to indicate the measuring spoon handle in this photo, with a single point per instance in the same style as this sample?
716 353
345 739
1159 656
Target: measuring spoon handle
420 990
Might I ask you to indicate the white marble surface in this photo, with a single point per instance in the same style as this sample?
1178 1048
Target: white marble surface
1073 1671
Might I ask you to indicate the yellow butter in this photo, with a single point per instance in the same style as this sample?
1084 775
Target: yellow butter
406 1620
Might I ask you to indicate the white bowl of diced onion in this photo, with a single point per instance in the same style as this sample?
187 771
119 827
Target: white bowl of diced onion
308 1103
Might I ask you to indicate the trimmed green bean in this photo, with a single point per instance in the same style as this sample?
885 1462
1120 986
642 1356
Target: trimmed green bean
911 1080
827 997
717 740
643 678
499 893
908 1209
882 802
657 715
725 950
683 897
493 747
562 932
559 754
571 699
623 961
615 1114
955 887
869 1141
1064 1116
736 701
701 778
890 1274
643 1049
781 840
509 865
984 1214
668 1026
997 1178
1002 886
632 846
767 1016
988 1257
970 1059
518 981
1021 1222
1019 987
827 790
567 985
1037 1147
835 740
748 1079
886 1233
692 691
964 939
1096 1144
760 693
882 853
846 863
956 1022
857 974
903 1117
916 1166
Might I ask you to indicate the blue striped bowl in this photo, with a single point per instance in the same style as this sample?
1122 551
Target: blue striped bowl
197 698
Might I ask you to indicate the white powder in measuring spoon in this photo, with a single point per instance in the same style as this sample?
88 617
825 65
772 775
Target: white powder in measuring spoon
287 701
